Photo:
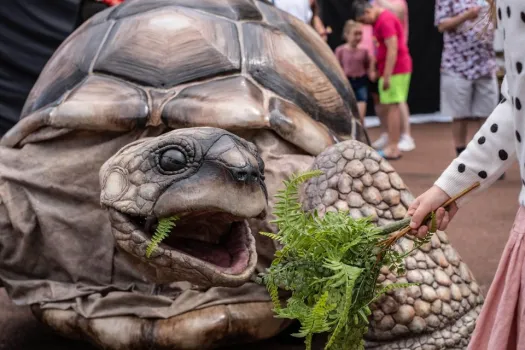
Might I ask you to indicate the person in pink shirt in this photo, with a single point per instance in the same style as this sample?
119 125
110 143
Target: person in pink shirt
357 63
406 142
394 65
397 7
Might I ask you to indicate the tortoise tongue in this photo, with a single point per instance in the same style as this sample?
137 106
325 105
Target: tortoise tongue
230 254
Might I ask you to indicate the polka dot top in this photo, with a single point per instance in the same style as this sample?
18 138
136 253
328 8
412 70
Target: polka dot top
499 142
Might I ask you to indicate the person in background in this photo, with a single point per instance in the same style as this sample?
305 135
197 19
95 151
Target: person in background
317 23
306 11
357 63
394 65
469 88
406 141
301 9
333 14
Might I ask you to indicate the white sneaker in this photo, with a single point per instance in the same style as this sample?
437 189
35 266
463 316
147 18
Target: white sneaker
406 143
381 142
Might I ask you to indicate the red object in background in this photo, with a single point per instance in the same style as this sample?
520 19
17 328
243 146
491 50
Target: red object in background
112 2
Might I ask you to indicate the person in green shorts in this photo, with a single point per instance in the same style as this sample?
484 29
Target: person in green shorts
398 90
394 65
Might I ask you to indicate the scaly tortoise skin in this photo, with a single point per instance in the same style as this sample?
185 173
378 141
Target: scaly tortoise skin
114 90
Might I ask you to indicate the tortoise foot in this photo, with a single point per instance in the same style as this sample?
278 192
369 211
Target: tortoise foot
207 328
455 336
443 308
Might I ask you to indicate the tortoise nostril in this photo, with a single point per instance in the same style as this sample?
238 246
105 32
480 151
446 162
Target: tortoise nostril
242 176
247 174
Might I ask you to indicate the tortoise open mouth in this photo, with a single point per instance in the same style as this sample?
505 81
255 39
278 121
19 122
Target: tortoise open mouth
206 247
216 238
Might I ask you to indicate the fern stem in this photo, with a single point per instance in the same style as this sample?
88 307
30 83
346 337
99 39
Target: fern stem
395 226
308 342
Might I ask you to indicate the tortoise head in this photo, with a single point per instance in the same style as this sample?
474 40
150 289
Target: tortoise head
212 180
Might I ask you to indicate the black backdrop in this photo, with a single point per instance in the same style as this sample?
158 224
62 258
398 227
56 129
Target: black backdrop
30 31
425 43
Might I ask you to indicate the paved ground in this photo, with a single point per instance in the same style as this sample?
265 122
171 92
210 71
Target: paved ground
478 232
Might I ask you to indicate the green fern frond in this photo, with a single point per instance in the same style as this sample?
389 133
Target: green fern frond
272 236
330 265
316 320
161 233
288 209
351 274
273 290
305 176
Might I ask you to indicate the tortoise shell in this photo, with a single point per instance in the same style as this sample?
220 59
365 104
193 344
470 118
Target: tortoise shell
232 64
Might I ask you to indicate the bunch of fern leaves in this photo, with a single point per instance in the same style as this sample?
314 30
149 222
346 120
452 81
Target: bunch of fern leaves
330 265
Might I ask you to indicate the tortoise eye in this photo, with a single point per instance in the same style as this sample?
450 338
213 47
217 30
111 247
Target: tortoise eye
172 160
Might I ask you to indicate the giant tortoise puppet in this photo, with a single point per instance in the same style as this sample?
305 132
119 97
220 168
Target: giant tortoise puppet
199 108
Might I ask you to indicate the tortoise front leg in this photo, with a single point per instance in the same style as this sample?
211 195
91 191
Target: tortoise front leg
438 314
202 329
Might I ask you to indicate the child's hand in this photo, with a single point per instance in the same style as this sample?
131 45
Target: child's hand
429 201
372 75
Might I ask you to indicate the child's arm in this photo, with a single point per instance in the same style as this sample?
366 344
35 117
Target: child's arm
391 58
488 155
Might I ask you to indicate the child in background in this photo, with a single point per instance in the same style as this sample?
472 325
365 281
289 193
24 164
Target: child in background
357 64
394 65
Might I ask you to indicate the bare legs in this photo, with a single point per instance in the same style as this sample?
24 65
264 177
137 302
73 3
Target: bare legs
393 115
405 119
380 112
406 143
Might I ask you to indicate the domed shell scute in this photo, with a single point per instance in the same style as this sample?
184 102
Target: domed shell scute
231 9
68 67
311 43
294 125
175 46
231 103
119 106
277 63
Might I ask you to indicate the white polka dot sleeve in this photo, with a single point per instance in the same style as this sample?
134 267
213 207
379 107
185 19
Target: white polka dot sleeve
487 156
